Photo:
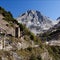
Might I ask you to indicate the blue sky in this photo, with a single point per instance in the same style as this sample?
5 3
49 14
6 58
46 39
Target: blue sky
50 8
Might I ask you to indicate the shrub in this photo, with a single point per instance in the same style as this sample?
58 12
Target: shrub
39 57
33 57
29 48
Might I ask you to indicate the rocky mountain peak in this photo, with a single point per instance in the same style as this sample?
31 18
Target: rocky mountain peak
58 18
35 21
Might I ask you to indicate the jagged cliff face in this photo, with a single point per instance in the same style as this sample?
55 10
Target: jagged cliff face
55 31
35 21
6 26
52 35
58 19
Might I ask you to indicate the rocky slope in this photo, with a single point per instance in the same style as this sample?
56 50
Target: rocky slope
35 21
6 26
18 48
52 36
27 46
55 32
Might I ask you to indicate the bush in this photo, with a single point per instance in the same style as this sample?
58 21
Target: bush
29 48
39 57
26 37
33 57
22 27
32 36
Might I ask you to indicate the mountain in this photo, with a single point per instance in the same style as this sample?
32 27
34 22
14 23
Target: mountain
55 27
58 19
25 47
55 31
52 34
35 21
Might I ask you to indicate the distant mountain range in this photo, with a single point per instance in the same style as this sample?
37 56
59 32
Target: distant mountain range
51 34
35 21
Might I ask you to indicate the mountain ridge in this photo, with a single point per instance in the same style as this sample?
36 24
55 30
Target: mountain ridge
35 21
